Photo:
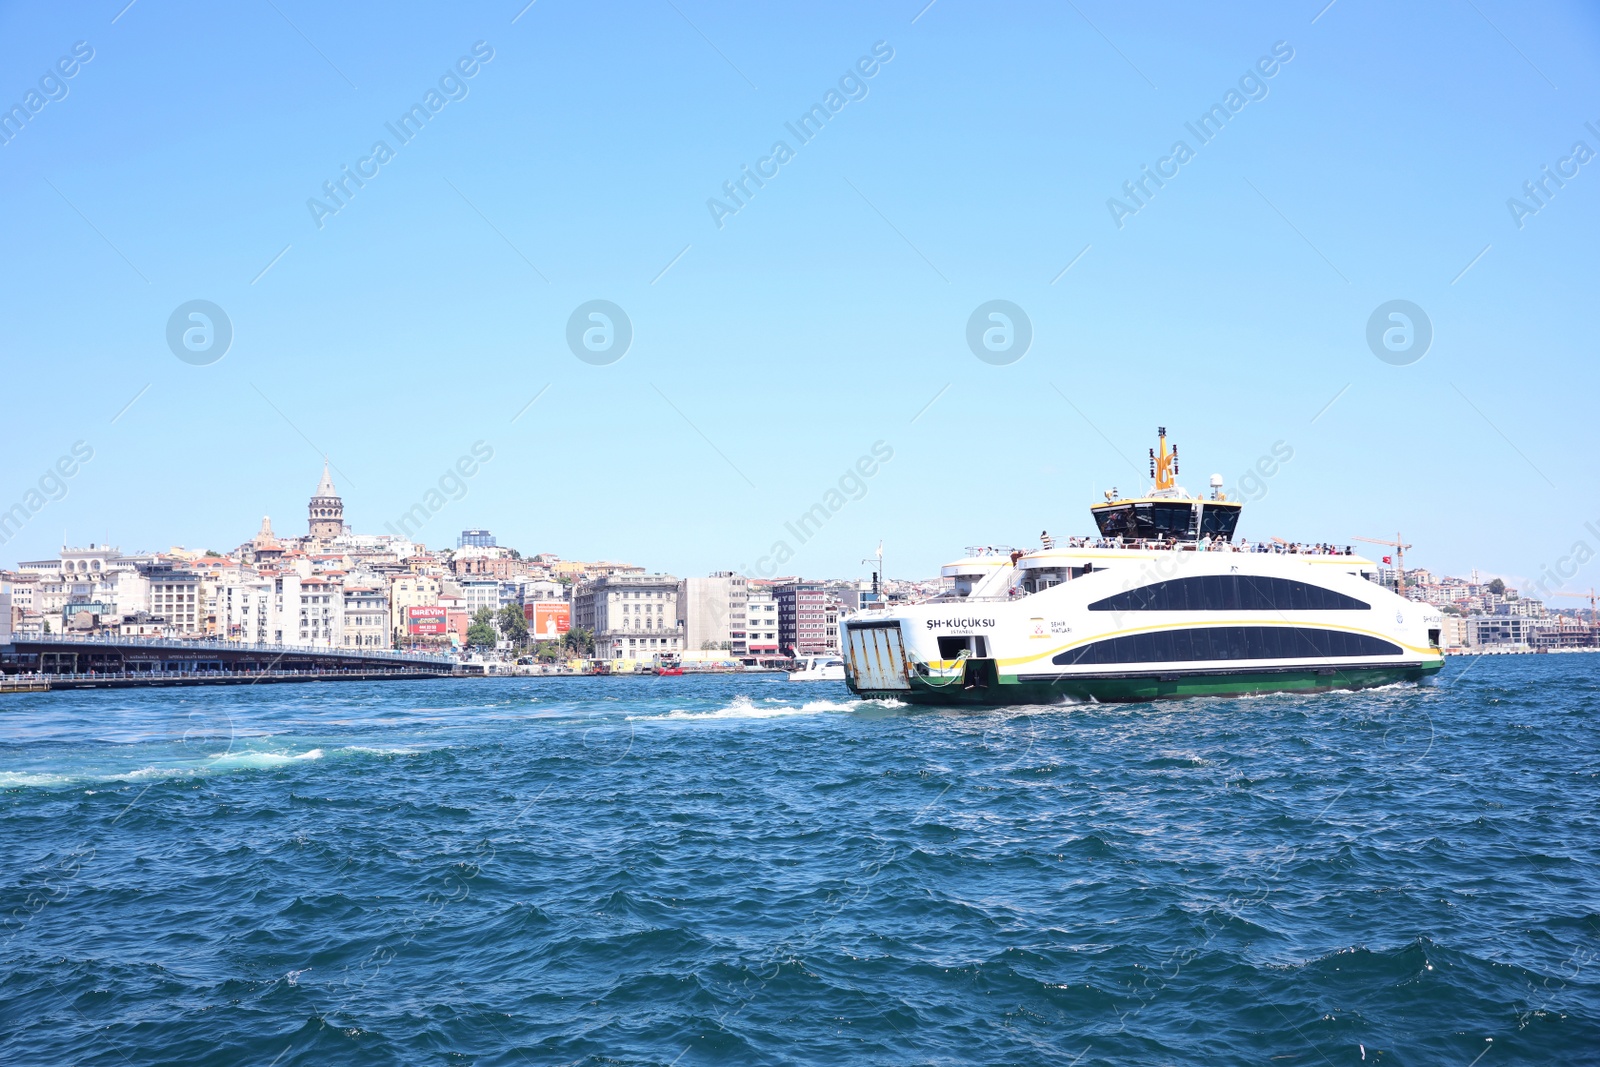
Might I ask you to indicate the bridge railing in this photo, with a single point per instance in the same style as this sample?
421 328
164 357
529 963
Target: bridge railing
207 644
393 672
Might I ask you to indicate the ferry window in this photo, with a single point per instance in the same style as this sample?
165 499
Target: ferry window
1230 592
952 647
1226 642
1164 520
1115 522
1218 521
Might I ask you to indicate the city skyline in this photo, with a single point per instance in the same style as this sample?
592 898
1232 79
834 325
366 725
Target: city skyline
335 589
482 535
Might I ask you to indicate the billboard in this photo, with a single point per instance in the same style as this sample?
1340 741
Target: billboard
425 621
548 620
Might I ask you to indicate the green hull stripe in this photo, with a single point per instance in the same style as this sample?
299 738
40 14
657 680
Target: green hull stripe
1149 687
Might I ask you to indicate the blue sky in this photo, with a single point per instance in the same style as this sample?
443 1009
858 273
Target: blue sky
770 353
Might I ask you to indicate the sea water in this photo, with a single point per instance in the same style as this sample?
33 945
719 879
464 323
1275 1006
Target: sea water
742 870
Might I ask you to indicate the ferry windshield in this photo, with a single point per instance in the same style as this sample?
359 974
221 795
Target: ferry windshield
1163 520
1219 520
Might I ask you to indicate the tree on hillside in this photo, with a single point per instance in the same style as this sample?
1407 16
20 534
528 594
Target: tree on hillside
1497 587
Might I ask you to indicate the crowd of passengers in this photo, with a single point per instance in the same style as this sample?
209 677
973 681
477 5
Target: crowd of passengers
1212 544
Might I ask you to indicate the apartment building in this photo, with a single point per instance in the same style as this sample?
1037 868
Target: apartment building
632 616
803 618
243 607
366 615
410 591
320 604
711 612
176 595
479 593
761 621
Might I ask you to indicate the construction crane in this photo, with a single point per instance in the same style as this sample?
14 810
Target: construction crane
1399 546
1590 596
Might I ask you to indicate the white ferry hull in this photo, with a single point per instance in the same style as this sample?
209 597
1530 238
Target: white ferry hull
1148 625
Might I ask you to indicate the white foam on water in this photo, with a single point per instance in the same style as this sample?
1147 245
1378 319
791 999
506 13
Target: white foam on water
830 705
260 760
18 779
222 761
372 751
743 707
148 772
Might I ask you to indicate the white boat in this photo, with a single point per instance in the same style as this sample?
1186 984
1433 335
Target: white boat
818 669
1162 603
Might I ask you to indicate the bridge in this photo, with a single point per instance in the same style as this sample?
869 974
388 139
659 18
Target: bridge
68 661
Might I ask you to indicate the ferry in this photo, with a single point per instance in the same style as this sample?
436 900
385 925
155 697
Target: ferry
1162 603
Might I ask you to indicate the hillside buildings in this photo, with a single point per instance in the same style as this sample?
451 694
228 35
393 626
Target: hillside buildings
332 587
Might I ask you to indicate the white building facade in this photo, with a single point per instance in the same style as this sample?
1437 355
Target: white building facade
632 616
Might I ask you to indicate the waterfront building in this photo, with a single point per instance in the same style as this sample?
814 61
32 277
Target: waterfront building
761 621
711 612
1506 631
803 618
1562 631
632 616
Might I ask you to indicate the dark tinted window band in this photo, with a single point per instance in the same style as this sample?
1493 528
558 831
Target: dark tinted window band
1227 642
1230 592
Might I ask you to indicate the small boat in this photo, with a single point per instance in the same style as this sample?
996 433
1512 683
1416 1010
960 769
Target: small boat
818 669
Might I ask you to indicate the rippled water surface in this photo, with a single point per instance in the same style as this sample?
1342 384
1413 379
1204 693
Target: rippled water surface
747 870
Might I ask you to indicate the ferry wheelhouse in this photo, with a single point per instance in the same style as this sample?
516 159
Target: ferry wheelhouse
1163 602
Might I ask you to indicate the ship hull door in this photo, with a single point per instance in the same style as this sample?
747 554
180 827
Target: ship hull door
875 658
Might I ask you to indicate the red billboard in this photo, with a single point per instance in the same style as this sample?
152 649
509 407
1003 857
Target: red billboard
548 620
425 621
